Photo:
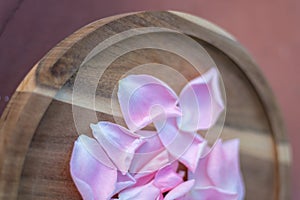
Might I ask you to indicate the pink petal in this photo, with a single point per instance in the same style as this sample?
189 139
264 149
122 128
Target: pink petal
144 98
220 169
180 191
224 169
143 178
124 181
200 175
151 155
91 171
184 146
167 178
164 180
144 192
119 143
190 158
201 102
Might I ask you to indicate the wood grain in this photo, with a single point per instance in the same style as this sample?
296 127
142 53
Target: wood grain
38 128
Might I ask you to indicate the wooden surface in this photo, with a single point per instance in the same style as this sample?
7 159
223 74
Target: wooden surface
41 122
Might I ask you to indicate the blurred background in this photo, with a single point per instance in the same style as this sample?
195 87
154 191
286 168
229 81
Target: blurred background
270 30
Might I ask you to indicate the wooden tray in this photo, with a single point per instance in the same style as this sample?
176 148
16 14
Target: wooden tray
41 122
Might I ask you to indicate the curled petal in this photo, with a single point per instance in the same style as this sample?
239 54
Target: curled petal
180 191
227 176
151 155
143 178
220 169
167 178
143 192
190 158
144 98
93 178
200 175
184 146
119 143
124 181
163 180
201 102
188 191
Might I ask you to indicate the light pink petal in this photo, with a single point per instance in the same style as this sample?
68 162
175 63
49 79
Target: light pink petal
144 192
152 186
201 102
151 155
190 158
119 143
200 175
220 169
180 191
93 178
184 146
146 177
124 181
224 168
144 98
211 193
167 178
143 178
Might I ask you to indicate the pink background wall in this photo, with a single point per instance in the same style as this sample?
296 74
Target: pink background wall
270 30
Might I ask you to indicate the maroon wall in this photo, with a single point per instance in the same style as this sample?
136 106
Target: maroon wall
268 29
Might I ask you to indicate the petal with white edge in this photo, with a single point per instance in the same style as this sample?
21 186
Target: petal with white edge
181 190
228 174
124 181
143 98
119 143
143 192
220 169
151 155
89 172
201 102
167 178
183 146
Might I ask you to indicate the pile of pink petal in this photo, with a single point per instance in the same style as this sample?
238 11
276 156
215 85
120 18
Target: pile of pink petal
169 162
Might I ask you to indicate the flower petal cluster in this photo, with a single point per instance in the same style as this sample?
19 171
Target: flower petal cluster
131 162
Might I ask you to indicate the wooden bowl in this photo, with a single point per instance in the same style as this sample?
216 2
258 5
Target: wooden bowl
50 107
